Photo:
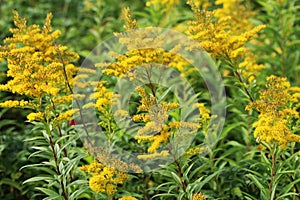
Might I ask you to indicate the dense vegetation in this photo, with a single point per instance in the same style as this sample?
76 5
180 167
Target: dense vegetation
149 99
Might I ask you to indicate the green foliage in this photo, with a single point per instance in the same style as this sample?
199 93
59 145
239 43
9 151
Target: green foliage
282 37
59 158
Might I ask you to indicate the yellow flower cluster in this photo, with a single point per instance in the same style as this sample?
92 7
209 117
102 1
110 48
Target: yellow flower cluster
195 151
224 34
129 22
277 110
204 112
128 198
157 129
104 178
40 69
103 155
249 67
203 4
189 125
102 96
144 47
239 13
39 116
205 116
15 103
142 56
217 36
199 196
65 116
155 155
35 60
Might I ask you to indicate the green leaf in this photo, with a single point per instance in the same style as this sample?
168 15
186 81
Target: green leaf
49 192
38 178
73 163
164 94
77 193
227 129
165 195
31 165
248 196
176 178
54 198
201 182
288 187
187 171
258 185
289 195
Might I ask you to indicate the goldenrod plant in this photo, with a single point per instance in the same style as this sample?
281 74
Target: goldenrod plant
41 70
135 100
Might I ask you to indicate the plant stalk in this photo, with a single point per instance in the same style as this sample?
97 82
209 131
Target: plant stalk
273 171
57 168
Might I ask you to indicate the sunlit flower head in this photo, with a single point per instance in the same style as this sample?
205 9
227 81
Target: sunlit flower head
277 109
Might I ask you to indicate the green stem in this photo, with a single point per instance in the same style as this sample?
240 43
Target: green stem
60 135
57 165
183 182
273 171
179 170
248 133
238 75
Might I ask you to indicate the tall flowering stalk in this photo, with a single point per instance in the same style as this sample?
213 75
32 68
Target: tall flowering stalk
225 34
152 112
277 120
41 72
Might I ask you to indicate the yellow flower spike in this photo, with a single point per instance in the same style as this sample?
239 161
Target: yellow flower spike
65 116
239 12
104 178
104 97
39 116
158 139
129 22
249 67
217 35
195 151
139 54
189 125
153 155
199 196
157 129
15 103
277 111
